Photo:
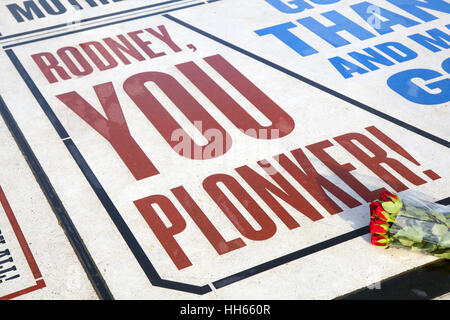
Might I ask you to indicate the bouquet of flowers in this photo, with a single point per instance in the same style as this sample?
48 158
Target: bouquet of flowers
412 223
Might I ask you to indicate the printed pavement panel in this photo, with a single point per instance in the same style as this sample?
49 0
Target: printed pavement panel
215 149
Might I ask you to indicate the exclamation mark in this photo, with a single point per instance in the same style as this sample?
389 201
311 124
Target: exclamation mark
13 277
397 148
3 272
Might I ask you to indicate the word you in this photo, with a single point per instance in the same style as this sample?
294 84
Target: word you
75 61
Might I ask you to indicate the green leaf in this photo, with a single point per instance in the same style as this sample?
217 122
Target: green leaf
445 255
417 247
418 213
440 230
440 217
444 241
429 247
391 207
412 233
405 242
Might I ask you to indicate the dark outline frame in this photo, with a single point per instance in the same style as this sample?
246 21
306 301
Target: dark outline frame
126 233
61 25
34 268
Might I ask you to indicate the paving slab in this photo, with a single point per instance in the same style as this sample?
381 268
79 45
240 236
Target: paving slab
222 149
37 260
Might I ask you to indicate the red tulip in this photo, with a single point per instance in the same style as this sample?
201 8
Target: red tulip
387 196
379 240
378 228
376 220
377 211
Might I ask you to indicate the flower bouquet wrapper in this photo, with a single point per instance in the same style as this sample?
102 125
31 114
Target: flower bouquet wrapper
410 223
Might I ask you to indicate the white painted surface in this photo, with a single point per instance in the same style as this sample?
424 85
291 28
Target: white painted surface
444 297
368 88
318 116
69 15
55 262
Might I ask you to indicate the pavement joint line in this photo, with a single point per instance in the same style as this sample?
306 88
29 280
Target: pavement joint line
57 206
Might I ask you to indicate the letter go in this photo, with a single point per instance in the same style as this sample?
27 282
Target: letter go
296 6
416 85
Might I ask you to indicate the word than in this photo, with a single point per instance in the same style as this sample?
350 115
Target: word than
376 21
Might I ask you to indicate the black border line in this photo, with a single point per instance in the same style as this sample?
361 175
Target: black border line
319 86
433 279
112 211
300 254
331 242
128 236
89 19
290 257
102 25
63 217
109 206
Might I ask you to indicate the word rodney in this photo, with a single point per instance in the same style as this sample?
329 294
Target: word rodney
107 54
